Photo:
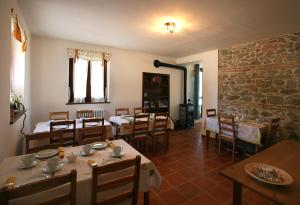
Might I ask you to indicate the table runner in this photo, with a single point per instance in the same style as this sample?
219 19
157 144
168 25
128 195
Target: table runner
149 175
248 131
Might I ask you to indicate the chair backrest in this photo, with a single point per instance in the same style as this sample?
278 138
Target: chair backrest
63 132
274 127
38 139
132 192
140 124
121 111
84 114
227 126
211 112
138 110
161 122
41 186
90 132
64 115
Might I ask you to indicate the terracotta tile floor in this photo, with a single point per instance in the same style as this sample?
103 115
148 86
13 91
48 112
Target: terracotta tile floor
190 174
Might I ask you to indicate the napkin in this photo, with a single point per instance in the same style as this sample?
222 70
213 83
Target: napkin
91 163
61 152
110 144
10 182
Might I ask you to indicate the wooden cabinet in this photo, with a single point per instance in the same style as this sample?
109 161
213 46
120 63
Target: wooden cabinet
156 92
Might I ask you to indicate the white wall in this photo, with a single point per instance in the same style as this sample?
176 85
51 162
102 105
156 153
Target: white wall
50 78
209 62
11 142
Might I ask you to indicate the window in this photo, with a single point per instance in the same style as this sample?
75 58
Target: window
88 81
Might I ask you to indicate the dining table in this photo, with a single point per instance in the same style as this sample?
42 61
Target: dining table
149 175
285 156
250 131
45 127
124 123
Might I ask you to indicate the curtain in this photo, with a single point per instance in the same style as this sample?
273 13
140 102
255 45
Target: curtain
17 31
196 90
97 79
80 80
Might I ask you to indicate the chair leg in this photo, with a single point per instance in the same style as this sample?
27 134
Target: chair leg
207 138
233 151
220 144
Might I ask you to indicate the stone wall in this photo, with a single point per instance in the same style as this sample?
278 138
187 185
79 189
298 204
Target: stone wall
261 79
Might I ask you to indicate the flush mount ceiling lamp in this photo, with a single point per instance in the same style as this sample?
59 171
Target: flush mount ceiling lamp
170 27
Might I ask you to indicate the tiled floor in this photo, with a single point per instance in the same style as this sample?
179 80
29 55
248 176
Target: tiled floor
190 174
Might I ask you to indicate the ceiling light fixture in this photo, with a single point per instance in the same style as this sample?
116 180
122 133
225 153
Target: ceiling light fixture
170 27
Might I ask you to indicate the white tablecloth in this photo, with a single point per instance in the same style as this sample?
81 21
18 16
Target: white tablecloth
45 127
248 131
125 123
149 175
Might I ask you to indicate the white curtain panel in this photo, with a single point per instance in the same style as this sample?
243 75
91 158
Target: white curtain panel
79 79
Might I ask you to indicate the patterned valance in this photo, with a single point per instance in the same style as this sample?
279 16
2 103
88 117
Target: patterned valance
88 55
17 31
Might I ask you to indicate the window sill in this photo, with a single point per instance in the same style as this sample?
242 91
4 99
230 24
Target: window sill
14 116
84 103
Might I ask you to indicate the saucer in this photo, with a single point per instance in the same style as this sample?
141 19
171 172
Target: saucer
34 163
59 166
99 145
46 153
116 156
83 154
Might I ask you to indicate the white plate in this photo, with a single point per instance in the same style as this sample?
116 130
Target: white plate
60 127
59 166
251 167
83 154
34 163
46 153
99 145
114 155
92 124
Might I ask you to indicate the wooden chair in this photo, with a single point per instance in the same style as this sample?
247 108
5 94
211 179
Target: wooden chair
140 132
130 193
211 112
160 130
63 132
94 133
227 132
59 115
38 139
44 185
84 114
122 111
138 110
274 128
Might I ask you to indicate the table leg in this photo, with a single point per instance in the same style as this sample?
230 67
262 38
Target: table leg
207 138
237 193
146 198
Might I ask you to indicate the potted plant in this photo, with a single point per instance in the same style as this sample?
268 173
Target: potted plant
15 102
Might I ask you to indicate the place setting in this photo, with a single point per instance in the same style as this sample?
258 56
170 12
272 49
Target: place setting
87 150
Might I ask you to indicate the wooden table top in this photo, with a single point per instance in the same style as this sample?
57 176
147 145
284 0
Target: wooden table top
284 155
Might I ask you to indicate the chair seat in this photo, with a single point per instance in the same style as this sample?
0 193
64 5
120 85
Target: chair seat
227 137
162 132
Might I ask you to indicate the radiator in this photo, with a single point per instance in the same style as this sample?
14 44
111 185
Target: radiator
99 113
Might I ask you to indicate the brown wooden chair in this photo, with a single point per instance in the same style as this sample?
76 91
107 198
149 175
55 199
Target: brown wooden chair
227 132
211 112
40 186
84 114
59 115
272 135
63 132
138 110
122 111
92 133
38 139
160 130
140 132
132 178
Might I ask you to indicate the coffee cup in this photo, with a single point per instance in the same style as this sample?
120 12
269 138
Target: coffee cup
87 148
28 160
117 150
52 163
72 157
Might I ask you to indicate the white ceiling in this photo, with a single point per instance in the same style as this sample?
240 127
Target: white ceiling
135 24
